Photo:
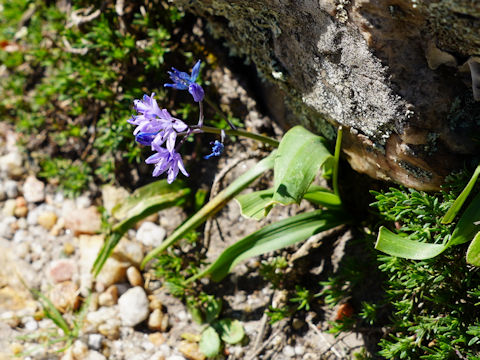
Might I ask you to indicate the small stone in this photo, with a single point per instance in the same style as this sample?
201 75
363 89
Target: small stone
102 315
83 221
95 341
111 196
33 190
288 351
133 306
156 338
21 209
113 271
155 303
68 248
130 251
11 189
31 325
175 357
10 318
150 234
47 219
16 348
95 355
134 277
155 320
7 225
109 297
79 349
83 202
64 296
299 350
61 270
9 207
191 350
11 164
110 329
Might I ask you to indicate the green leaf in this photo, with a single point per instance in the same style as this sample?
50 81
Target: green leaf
272 237
299 158
51 312
401 246
213 206
212 310
210 342
468 225
253 205
452 212
143 202
473 252
231 331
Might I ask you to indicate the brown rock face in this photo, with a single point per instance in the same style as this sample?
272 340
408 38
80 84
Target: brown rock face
393 73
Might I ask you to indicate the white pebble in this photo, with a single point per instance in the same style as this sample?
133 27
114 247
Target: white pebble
150 234
95 341
288 351
133 306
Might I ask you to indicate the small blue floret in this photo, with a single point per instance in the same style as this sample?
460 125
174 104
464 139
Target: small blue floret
217 149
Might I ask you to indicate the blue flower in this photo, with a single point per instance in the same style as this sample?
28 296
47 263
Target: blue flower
183 81
167 161
145 138
217 149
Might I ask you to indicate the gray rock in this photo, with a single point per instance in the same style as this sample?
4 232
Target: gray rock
95 341
150 234
11 164
33 190
11 189
133 306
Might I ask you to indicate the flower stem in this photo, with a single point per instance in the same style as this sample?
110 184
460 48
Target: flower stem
238 132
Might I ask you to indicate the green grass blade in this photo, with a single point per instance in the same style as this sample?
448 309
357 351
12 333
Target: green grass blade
51 312
396 245
473 252
467 225
214 205
457 205
272 237
300 156
143 202
321 196
338 147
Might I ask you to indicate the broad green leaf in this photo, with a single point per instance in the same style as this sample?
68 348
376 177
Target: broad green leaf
146 196
403 247
214 205
467 225
272 237
299 158
210 342
473 252
143 202
231 331
452 212
253 205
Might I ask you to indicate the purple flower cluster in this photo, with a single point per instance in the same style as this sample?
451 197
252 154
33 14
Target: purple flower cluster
157 128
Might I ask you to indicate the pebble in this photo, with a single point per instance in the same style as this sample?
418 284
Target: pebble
156 338
30 324
113 271
134 277
68 248
133 306
6 229
191 350
83 202
3 195
33 190
299 349
175 357
79 349
297 324
95 341
156 321
84 221
21 209
64 296
111 196
150 234
47 219
288 351
11 189
61 270
109 297
11 164
9 207
130 251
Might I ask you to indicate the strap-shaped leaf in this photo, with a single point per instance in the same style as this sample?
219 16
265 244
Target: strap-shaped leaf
273 237
253 205
452 212
214 205
299 158
468 224
143 202
473 252
401 246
